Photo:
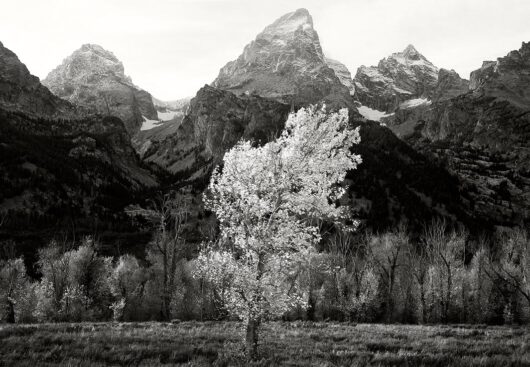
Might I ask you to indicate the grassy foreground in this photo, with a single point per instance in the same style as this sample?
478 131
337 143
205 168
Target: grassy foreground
290 344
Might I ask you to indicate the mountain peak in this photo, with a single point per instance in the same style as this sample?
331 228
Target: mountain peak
89 59
286 62
93 77
401 76
92 46
96 52
291 22
410 52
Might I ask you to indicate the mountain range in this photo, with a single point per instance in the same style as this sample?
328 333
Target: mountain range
86 142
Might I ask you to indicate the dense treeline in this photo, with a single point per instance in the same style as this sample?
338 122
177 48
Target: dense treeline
443 277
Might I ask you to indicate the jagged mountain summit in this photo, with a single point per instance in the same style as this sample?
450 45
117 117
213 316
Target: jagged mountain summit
400 77
286 62
94 78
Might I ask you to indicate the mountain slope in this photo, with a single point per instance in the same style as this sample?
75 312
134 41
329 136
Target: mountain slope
59 165
484 137
19 90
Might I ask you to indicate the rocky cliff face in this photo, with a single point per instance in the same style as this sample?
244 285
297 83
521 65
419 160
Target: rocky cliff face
285 62
342 72
400 77
405 118
170 115
57 165
483 136
449 85
94 78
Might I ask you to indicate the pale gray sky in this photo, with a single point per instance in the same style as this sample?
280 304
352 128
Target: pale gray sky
173 47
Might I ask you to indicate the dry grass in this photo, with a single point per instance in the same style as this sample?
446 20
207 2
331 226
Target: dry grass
289 344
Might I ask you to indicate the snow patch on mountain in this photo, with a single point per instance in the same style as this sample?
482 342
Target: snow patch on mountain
415 102
149 124
371 114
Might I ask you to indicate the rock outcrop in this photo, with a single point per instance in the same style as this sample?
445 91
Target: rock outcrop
285 62
449 85
342 72
94 78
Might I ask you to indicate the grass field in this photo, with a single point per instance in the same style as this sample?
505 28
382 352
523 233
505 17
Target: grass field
289 344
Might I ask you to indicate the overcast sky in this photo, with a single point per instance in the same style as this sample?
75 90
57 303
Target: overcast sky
173 47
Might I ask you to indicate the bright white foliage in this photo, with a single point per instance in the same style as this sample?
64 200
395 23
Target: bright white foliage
267 200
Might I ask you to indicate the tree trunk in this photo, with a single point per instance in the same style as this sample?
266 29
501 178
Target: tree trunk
10 311
252 338
449 300
423 305
311 303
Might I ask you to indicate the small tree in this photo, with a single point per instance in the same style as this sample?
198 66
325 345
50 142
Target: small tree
54 265
387 253
13 282
512 269
88 278
480 285
353 277
447 248
419 263
169 217
268 201
127 284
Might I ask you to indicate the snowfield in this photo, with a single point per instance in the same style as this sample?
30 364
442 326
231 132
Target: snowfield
149 124
371 114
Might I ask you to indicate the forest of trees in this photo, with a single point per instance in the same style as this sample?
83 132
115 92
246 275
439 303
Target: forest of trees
443 278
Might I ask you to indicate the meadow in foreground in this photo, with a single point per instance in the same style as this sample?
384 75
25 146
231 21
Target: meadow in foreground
289 344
